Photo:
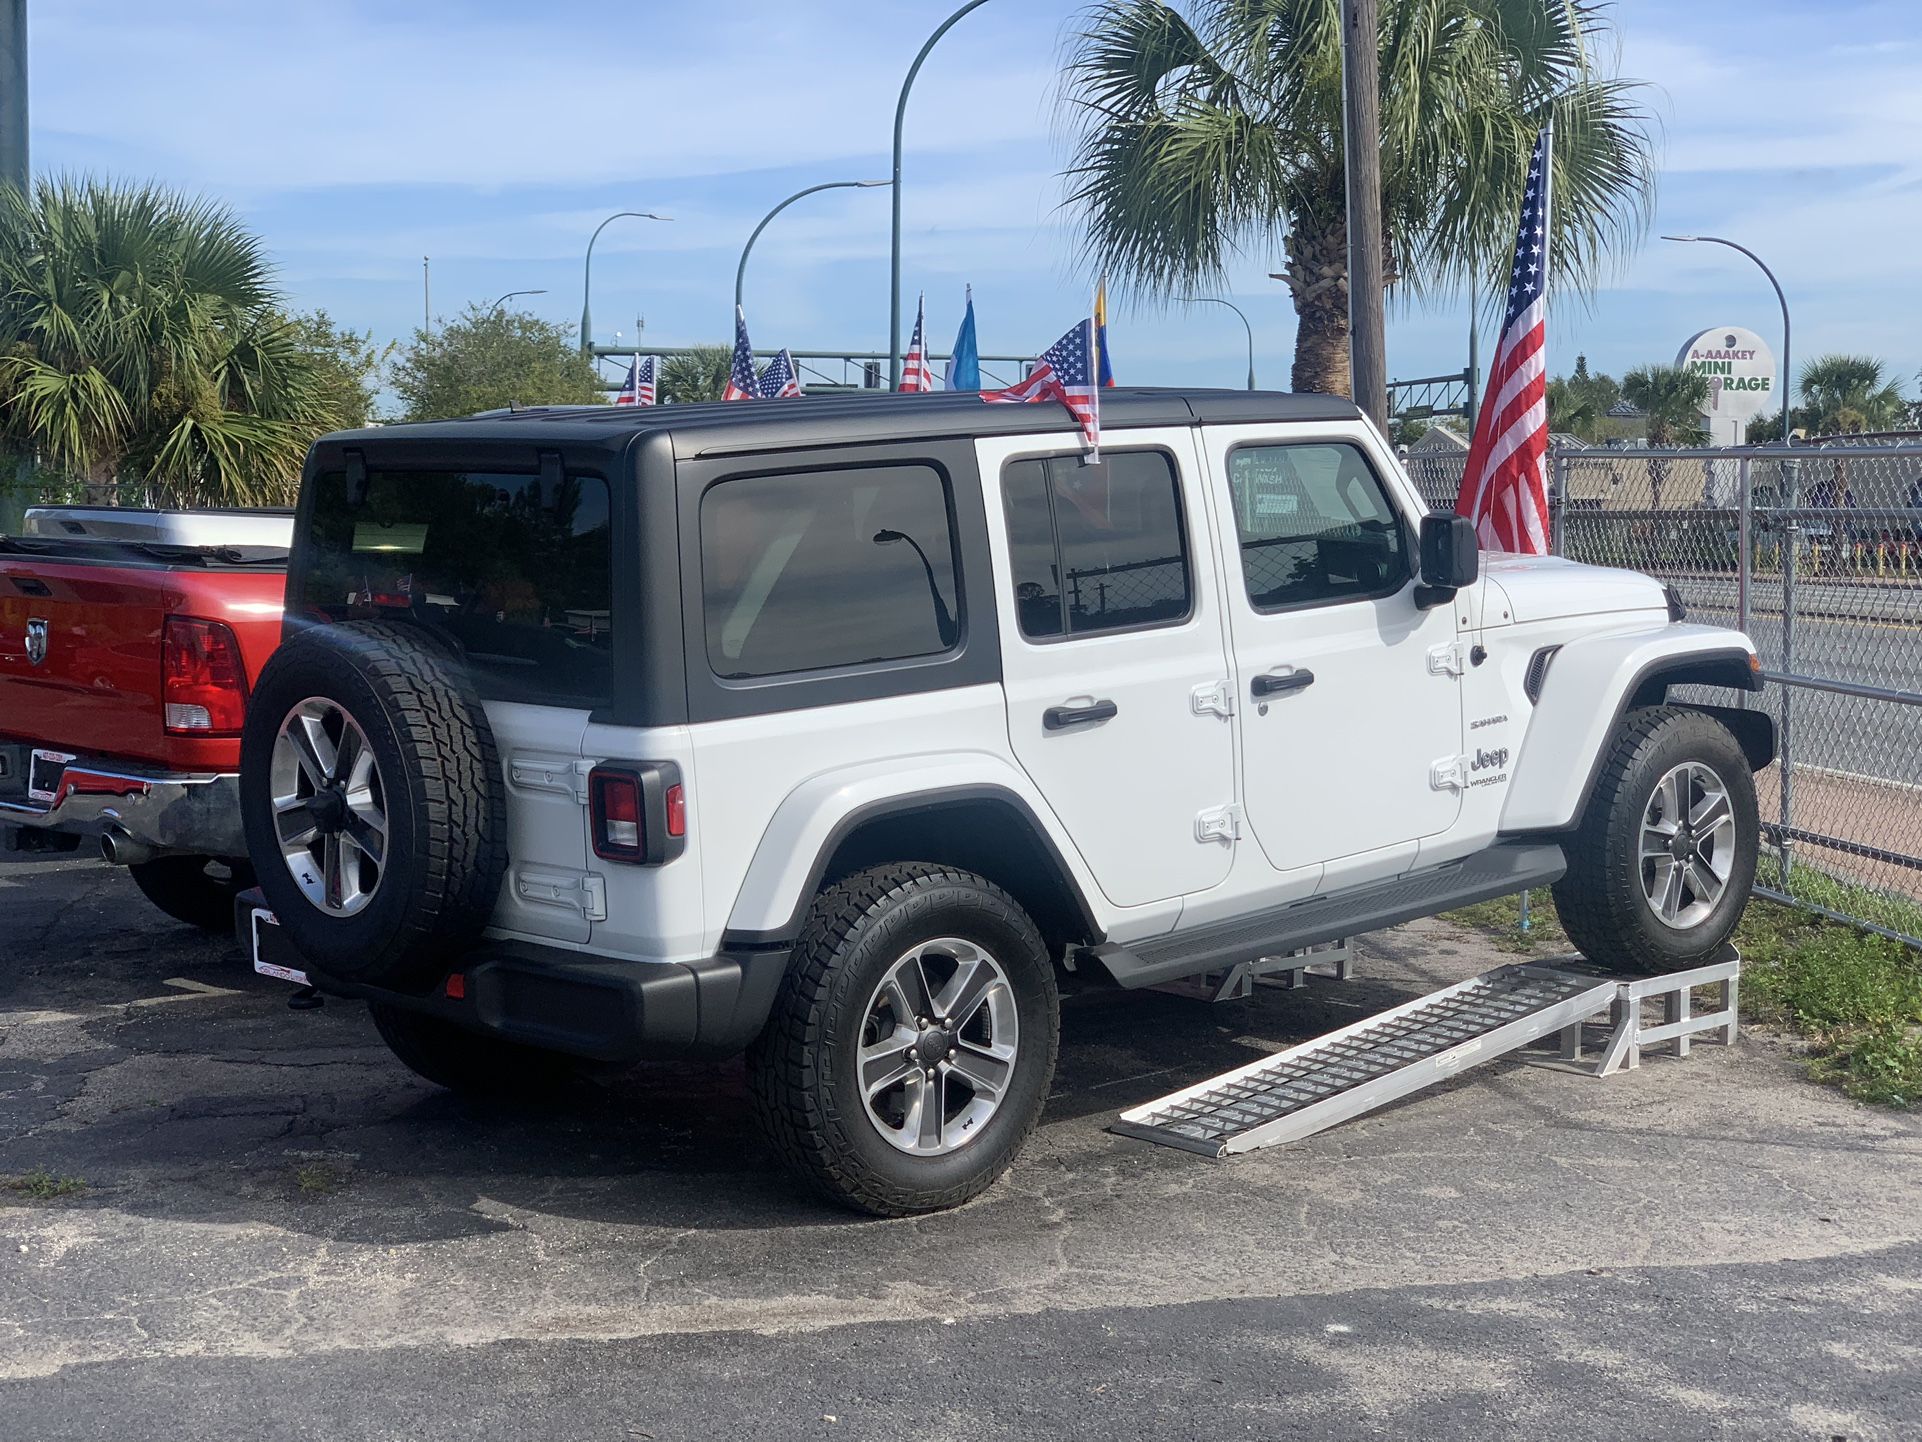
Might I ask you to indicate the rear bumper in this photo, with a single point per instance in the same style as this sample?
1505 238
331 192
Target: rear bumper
190 814
575 1002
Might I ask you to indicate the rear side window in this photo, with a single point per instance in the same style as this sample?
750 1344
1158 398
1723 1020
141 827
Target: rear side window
1096 548
821 569
1316 526
515 573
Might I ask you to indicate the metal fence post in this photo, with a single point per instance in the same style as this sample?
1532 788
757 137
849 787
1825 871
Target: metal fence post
1557 504
1744 546
1791 543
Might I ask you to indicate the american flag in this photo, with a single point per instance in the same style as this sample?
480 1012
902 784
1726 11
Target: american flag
643 374
915 373
1505 481
780 380
740 377
1065 373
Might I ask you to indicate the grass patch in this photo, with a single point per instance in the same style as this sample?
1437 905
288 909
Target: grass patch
40 1185
1851 898
317 1179
1855 996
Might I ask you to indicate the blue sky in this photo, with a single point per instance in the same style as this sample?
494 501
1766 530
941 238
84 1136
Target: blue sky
359 136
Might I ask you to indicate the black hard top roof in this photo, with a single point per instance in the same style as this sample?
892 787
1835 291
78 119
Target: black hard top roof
719 428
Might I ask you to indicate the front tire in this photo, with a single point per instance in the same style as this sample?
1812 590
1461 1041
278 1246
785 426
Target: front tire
1662 865
912 1042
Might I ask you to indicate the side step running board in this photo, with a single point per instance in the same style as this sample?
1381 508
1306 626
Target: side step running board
1298 1092
1501 870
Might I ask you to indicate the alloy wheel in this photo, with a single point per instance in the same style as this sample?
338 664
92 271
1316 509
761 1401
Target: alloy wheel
330 807
939 1040
1687 845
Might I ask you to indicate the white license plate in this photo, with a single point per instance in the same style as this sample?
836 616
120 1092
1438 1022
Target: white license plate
264 940
44 770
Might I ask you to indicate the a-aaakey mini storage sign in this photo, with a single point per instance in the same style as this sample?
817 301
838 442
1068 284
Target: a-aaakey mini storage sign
1741 379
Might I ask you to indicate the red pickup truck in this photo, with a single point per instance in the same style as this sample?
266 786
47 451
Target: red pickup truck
128 643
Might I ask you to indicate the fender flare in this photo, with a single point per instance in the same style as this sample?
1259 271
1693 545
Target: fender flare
1590 686
820 814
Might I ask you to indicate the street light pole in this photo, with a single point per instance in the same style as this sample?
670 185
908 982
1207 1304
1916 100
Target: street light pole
740 271
1217 300
587 271
14 169
1788 384
894 249
509 296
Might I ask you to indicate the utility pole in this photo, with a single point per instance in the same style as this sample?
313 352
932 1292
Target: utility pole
14 169
1361 154
426 298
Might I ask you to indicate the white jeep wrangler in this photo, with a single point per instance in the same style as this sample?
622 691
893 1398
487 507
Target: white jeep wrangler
843 732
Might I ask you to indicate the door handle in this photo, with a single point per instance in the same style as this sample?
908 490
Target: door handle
1263 687
1059 718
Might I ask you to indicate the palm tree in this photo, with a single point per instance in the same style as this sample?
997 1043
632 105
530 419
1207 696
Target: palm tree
1671 401
142 340
1844 394
698 374
1204 134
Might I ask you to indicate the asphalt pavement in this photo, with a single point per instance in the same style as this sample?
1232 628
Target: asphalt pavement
283 1234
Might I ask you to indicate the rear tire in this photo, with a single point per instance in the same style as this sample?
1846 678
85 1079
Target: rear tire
909 1145
471 1062
197 890
1660 869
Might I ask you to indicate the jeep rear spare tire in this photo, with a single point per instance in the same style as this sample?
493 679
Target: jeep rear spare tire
373 802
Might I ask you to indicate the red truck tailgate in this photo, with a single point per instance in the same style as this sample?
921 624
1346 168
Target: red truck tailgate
97 689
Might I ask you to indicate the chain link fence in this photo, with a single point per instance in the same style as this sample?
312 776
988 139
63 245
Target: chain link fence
1815 552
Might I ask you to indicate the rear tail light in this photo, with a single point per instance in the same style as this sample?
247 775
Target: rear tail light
617 816
638 812
203 683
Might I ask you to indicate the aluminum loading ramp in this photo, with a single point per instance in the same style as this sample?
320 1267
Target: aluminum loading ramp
1308 1088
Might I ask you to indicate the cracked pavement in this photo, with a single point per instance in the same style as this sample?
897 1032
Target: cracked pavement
285 1234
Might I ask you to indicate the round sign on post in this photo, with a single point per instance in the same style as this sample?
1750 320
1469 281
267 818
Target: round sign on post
1740 369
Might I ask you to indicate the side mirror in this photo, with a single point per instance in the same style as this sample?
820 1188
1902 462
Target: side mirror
1451 558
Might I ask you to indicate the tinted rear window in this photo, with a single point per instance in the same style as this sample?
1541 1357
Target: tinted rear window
517 575
821 569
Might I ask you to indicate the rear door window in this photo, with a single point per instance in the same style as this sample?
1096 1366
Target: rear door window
1096 548
514 572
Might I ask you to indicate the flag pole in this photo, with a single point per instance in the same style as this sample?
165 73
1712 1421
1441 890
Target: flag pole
1093 458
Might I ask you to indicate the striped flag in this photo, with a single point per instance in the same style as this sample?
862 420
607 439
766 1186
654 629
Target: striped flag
1064 373
1505 480
780 380
740 377
916 375
643 375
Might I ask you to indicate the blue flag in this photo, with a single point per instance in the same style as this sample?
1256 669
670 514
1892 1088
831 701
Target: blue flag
964 366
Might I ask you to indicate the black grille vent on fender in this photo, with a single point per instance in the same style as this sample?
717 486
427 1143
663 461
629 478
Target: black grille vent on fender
1538 672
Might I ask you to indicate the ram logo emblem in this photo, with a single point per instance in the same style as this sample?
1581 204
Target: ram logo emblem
37 641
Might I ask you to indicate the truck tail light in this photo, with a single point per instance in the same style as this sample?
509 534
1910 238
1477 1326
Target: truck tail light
203 683
638 812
